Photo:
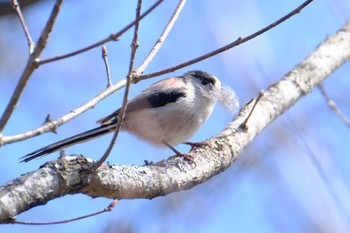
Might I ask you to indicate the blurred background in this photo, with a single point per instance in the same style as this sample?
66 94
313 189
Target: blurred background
294 177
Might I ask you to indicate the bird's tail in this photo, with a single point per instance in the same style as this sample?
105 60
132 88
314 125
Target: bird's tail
79 138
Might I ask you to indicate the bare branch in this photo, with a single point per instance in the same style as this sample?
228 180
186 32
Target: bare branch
109 208
226 47
112 37
49 126
121 115
15 6
105 59
256 101
333 106
31 65
71 175
160 40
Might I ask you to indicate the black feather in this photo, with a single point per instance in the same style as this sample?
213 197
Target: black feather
79 138
159 99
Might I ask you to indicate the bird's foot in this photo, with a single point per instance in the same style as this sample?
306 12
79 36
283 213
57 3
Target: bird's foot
179 154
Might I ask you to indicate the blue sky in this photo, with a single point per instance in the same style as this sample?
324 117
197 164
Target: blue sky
292 178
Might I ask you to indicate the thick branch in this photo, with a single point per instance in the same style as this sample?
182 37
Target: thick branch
69 176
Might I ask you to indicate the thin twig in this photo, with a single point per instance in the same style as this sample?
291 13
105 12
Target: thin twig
107 209
160 40
105 60
333 106
121 114
31 65
245 122
112 37
51 125
226 47
30 41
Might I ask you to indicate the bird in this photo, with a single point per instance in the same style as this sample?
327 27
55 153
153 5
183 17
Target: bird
165 114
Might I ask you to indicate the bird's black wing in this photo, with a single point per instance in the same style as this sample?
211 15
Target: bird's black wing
150 99
159 98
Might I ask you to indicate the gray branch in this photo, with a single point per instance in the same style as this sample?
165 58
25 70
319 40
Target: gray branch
71 174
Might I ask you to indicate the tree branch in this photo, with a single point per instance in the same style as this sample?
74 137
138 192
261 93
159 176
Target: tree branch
332 105
226 47
121 115
17 8
31 65
160 41
112 37
52 125
70 175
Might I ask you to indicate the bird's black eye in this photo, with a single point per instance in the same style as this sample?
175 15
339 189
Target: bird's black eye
205 82
204 77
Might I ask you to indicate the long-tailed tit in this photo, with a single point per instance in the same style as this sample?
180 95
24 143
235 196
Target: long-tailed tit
165 114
